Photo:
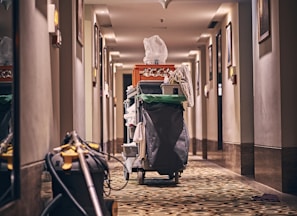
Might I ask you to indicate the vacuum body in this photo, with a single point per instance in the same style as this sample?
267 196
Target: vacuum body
74 180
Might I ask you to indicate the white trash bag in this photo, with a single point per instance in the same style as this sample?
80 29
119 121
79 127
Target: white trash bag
155 50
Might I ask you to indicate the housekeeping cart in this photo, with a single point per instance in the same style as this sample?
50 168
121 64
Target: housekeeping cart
160 139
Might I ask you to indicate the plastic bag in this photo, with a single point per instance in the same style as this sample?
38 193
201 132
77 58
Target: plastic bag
6 51
155 50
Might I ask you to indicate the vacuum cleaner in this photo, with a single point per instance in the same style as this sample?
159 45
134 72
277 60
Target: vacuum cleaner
78 173
6 169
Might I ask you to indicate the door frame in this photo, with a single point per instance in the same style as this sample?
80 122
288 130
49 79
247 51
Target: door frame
219 88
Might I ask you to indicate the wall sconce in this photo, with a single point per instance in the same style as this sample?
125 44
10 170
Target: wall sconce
94 77
53 25
165 3
206 90
57 39
114 101
56 18
106 89
232 74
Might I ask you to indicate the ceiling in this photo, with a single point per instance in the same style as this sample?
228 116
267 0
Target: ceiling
182 25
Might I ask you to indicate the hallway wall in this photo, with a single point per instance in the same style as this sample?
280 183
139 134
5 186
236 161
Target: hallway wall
267 89
288 35
88 62
54 84
36 84
267 102
200 98
237 98
231 93
230 98
71 73
274 99
38 104
52 95
92 86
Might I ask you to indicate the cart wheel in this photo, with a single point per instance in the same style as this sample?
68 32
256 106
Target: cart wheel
140 177
176 177
126 174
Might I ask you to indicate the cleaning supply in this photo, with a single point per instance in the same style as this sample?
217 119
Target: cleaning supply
73 165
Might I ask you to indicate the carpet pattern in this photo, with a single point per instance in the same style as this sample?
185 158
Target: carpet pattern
203 189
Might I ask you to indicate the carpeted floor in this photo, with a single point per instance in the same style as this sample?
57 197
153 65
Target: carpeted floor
204 189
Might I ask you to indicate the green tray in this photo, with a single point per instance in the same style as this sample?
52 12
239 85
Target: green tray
162 98
5 98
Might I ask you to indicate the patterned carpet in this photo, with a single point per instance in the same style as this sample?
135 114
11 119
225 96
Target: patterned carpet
204 189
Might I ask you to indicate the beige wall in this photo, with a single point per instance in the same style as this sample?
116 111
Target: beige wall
35 84
40 84
200 99
237 120
231 93
274 79
245 73
88 25
105 93
267 91
39 104
72 77
92 93
288 65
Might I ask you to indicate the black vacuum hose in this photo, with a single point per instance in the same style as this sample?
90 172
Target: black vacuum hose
5 196
51 205
97 156
68 193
